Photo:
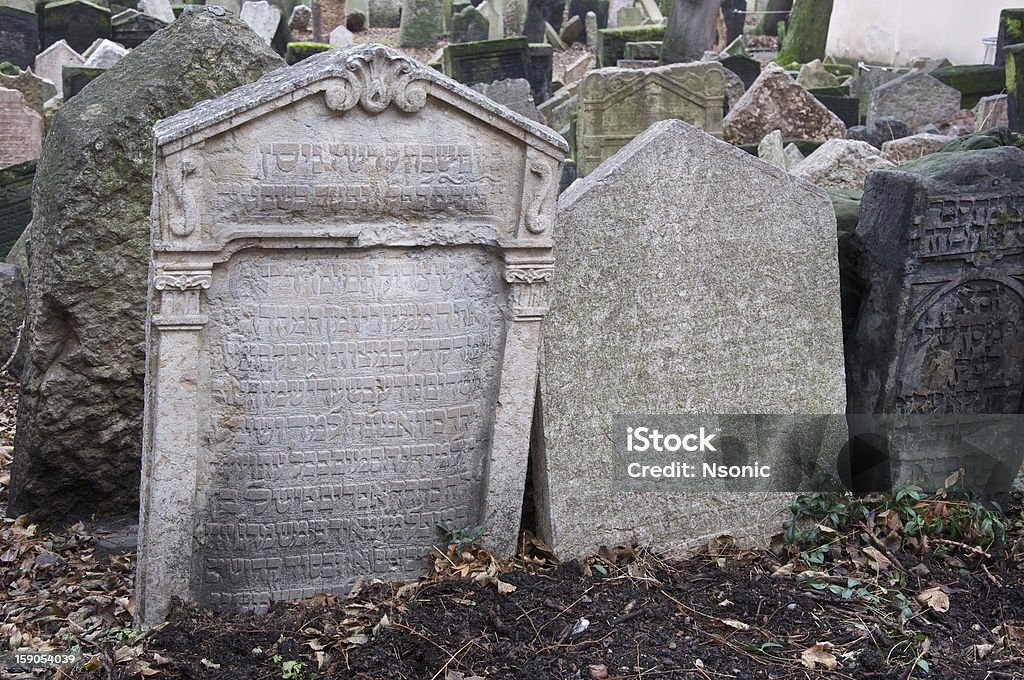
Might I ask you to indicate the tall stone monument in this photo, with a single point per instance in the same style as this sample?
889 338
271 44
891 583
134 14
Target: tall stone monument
350 260
692 278
617 104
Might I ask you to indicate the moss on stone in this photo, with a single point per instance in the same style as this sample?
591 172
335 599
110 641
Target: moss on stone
974 81
297 51
611 42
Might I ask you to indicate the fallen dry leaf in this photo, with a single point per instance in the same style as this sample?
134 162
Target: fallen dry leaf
819 654
934 598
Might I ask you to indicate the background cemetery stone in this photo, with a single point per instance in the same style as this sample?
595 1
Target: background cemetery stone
735 265
385 13
990 112
75 78
12 309
15 202
21 129
132 28
158 9
488 60
777 102
19 32
513 93
842 164
914 147
618 104
79 428
468 25
465 262
915 98
938 330
50 61
79 22
105 54
420 23
36 90
262 17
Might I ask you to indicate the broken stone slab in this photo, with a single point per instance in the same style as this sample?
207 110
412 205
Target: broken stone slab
915 98
21 129
514 94
777 102
770 150
842 164
880 131
813 75
105 54
262 17
12 311
913 147
991 112
50 62
158 9
36 90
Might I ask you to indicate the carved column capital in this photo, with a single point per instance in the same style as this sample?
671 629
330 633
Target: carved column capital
528 289
179 298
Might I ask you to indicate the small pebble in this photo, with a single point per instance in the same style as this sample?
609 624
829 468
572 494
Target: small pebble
597 672
791 606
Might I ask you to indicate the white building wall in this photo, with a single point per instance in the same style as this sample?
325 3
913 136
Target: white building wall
897 32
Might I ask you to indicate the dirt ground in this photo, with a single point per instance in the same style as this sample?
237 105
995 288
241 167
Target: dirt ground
862 590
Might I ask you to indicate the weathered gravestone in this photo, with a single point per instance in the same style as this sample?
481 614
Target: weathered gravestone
50 62
158 9
80 412
104 54
262 17
617 104
488 60
841 164
79 22
131 28
540 70
19 32
743 66
915 98
940 328
345 329
15 203
691 278
75 78
468 25
21 129
420 23
35 89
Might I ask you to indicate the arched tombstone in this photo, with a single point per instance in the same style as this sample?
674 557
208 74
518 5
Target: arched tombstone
349 270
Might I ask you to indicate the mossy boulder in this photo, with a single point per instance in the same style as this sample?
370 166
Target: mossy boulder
79 432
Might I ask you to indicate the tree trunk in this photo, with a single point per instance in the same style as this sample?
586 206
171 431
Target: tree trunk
691 31
806 32
770 22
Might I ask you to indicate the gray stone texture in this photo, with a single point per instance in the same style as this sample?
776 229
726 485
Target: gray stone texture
842 164
880 131
261 17
991 112
813 76
80 415
915 98
704 286
771 151
514 94
777 102
158 9
469 25
105 54
913 147
12 310
939 327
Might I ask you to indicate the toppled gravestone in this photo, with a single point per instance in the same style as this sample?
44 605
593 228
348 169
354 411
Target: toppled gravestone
346 311
777 102
690 278
80 415
842 164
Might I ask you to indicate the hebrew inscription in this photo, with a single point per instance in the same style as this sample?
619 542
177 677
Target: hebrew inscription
350 406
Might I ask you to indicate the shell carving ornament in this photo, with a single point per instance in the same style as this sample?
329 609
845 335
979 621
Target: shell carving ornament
375 79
